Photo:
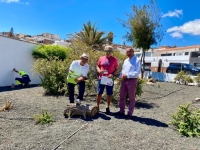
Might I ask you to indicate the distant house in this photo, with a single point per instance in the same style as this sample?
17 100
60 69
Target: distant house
51 36
5 33
64 43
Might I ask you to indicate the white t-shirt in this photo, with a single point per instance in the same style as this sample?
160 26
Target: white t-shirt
78 69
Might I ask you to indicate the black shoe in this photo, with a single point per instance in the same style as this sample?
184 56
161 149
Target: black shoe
107 111
120 113
128 116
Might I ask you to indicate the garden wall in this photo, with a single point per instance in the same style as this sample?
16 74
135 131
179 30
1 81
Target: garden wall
160 76
15 54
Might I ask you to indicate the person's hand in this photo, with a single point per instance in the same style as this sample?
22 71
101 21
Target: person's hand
110 76
76 80
80 79
124 76
101 71
14 69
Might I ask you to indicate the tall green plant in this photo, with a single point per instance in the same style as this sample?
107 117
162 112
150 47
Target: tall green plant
144 27
90 35
47 51
110 37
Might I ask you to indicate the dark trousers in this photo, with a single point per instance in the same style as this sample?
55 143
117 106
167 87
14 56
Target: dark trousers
81 91
23 80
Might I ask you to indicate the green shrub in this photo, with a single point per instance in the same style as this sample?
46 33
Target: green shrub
183 77
180 76
52 74
187 121
188 79
197 78
139 86
43 118
46 51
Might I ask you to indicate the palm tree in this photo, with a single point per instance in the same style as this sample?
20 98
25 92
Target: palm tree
90 35
110 37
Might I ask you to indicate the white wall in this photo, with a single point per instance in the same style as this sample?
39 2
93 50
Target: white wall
15 54
166 60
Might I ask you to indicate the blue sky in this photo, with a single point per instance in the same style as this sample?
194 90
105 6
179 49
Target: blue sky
181 18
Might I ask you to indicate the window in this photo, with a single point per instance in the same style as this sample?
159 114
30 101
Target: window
168 54
174 54
175 64
186 53
197 65
148 54
137 55
189 66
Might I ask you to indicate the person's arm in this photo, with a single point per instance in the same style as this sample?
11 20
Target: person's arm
15 70
98 67
71 68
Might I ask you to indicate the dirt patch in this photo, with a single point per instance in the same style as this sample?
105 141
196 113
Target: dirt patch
148 128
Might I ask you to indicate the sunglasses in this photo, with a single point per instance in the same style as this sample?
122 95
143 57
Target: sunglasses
108 51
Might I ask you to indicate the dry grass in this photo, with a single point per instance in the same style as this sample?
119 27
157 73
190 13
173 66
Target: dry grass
7 106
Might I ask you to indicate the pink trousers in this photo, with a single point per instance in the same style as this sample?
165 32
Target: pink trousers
128 86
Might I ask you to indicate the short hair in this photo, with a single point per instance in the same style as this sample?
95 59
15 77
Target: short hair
130 49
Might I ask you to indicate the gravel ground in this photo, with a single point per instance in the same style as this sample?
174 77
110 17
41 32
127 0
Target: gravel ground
147 130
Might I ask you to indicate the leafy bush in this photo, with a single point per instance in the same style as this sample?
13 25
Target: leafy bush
46 51
187 121
43 118
183 77
53 75
139 86
188 79
197 79
180 76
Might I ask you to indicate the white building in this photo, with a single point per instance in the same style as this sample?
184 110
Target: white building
159 59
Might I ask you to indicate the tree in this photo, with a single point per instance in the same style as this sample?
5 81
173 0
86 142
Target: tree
110 37
90 35
11 33
144 28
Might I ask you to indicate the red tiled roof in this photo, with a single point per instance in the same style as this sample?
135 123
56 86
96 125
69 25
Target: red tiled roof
179 48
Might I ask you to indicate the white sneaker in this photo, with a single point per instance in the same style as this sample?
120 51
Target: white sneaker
78 101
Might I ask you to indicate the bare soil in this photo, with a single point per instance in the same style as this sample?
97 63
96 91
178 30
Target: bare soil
148 129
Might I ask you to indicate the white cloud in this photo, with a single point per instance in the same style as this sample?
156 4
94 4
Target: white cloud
175 13
191 27
10 1
14 1
176 35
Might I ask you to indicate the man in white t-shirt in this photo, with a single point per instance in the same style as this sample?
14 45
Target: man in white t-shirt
80 68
